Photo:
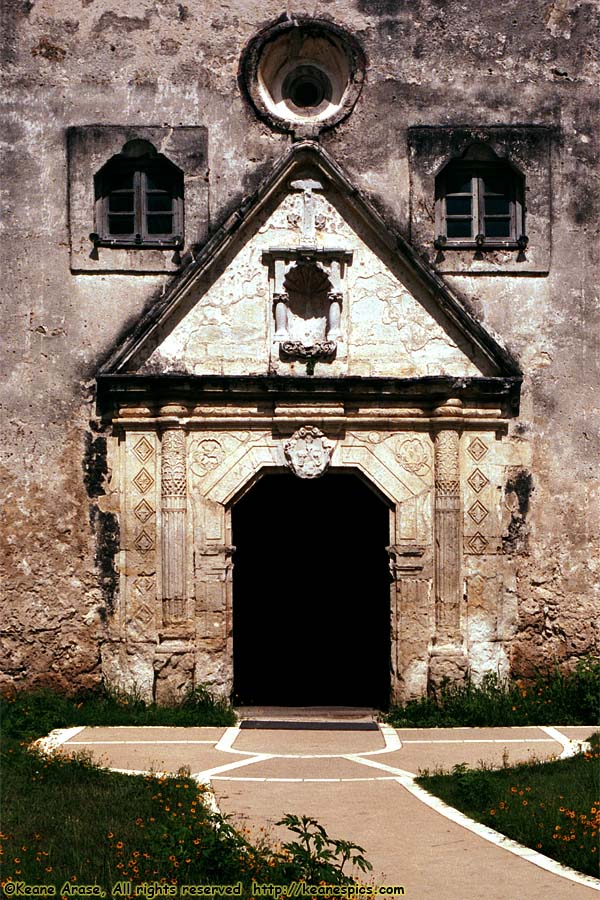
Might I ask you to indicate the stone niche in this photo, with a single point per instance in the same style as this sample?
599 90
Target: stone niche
309 340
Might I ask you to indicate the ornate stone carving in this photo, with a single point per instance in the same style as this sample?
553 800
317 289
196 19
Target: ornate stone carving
308 452
205 456
142 608
143 449
446 456
477 544
143 585
173 464
477 449
318 350
478 480
143 542
143 481
173 543
478 512
307 298
143 511
448 536
143 614
413 455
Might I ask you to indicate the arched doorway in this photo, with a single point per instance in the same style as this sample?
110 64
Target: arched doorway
311 593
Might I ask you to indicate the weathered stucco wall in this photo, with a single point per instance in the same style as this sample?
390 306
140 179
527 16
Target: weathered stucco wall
431 63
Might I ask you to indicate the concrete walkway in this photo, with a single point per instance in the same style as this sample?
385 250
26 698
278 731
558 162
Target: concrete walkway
359 785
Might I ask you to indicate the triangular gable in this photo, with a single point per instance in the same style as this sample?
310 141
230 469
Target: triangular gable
399 318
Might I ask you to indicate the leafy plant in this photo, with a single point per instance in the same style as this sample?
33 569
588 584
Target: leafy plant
315 857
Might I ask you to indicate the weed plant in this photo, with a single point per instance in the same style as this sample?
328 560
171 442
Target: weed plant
552 807
555 698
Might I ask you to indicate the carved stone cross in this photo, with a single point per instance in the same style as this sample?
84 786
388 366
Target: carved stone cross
308 185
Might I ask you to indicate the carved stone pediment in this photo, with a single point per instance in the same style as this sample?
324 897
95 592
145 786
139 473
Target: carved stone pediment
308 452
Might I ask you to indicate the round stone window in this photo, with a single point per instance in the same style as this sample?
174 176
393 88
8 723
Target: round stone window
302 74
307 90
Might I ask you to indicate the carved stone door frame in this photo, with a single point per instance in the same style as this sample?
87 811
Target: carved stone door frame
179 468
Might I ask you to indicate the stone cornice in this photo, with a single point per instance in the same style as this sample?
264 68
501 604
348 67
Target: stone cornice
353 396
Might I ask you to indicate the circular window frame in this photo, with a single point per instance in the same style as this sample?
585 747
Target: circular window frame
268 91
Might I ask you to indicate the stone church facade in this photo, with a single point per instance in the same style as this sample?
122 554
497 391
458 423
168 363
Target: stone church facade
301 347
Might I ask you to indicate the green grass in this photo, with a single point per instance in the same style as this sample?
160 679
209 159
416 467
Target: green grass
552 807
30 714
65 819
554 698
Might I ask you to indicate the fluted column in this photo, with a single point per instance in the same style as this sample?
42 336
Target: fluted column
173 543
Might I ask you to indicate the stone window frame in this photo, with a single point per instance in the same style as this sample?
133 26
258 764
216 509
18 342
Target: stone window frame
528 149
89 148
150 163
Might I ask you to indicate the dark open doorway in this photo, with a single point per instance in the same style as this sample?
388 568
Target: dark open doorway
311 593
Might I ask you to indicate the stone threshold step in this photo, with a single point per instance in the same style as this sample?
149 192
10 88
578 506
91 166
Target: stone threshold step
317 718
308 725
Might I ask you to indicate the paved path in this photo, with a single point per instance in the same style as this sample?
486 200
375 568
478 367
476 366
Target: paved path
359 785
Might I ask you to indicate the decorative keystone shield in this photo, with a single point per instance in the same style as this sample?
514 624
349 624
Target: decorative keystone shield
308 452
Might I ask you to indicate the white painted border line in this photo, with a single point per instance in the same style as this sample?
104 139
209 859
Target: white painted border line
354 757
227 739
57 737
486 741
267 779
494 837
138 743
570 746
207 774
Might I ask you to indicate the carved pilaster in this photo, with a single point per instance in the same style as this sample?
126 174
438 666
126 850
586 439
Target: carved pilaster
280 302
174 509
448 537
334 329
